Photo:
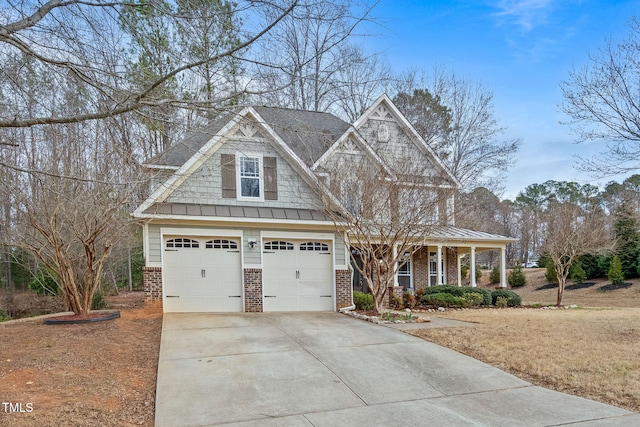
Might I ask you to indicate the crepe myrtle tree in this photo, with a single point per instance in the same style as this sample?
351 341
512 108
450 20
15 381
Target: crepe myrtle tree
387 213
71 190
573 231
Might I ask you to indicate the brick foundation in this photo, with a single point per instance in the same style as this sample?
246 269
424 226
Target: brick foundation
152 284
344 289
253 290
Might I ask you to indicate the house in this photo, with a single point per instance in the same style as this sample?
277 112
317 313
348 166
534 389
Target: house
235 222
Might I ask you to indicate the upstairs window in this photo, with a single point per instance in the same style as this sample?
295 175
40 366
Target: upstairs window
249 175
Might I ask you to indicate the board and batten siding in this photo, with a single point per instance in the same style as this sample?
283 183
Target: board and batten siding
204 186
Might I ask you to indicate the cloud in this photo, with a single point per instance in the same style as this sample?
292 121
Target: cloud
525 13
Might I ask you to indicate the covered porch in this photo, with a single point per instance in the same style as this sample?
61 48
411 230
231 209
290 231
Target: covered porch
439 260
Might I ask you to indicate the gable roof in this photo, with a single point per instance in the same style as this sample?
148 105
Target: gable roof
413 133
307 133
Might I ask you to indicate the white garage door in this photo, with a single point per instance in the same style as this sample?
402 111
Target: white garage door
202 274
297 275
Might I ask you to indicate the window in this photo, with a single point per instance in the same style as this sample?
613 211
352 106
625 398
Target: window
221 244
278 245
314 246
250 177
404 273
182 243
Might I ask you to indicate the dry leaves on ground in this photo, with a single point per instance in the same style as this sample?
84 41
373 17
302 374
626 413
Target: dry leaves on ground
96 374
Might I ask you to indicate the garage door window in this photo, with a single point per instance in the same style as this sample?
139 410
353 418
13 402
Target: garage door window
221 244
278 246
182 243
314 246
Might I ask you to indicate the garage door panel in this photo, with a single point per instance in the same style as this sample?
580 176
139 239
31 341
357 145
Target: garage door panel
297 276
203 275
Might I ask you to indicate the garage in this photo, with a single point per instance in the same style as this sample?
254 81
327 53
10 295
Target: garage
202 274
297 275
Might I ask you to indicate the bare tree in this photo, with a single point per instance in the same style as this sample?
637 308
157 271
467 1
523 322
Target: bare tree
72 206
601 100
469 136
85 40
572 231
306 54
387 212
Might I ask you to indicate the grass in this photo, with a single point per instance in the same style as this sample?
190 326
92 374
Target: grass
589 352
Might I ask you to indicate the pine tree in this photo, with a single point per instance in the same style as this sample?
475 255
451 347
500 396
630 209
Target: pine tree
627 237
616 275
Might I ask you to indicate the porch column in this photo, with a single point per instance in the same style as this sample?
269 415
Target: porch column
459 258
472 269
393 267
503 268
439 266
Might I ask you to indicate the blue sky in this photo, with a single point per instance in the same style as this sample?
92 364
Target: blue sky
521 50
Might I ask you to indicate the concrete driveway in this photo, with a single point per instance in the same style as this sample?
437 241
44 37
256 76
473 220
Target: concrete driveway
327 369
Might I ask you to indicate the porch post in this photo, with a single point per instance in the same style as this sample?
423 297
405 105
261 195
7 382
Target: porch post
503 268
395 276
472 269
439 266
459 258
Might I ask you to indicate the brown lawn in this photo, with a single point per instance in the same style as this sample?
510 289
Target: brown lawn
589 352
98 374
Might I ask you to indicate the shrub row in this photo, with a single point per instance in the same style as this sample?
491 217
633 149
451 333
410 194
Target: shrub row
460 291
445 296
460 296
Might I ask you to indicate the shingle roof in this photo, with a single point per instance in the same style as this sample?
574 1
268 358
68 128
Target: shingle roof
182 151
308 133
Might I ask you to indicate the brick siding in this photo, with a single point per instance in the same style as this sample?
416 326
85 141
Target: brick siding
421 269
344 289
152 284
253 290
451 265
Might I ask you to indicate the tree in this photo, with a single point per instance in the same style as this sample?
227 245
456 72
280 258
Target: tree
85 40
387 221
615 274
471 138
428 116
601 100
516 277
627 247
306 53
572 231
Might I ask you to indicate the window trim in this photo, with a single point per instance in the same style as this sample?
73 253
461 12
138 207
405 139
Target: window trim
239 157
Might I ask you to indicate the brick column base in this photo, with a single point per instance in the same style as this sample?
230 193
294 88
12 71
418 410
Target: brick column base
253 290
152 284
344 289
